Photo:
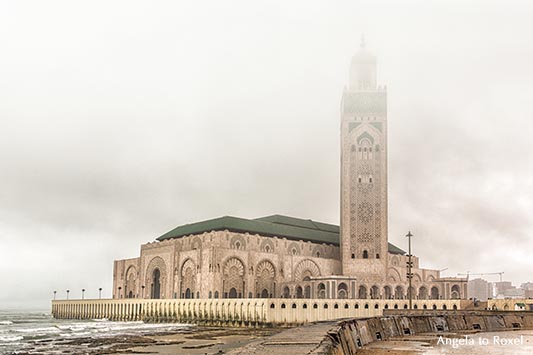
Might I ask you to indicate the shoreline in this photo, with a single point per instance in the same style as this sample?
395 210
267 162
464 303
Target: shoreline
191 341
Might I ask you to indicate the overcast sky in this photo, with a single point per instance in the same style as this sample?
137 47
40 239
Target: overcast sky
121 120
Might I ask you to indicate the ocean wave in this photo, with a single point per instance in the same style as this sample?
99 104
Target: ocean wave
37 330
10 338
5 322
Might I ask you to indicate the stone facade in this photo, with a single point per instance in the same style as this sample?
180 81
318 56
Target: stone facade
226 264
283 257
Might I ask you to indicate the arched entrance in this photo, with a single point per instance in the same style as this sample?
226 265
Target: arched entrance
362 292
398 293
374 292
299 292
232 293
387 292
156 284
264 293
456 292
434 293
321 290
422 293
307 291
342 290
188 293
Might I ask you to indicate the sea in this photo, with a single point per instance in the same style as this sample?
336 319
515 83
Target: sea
34 332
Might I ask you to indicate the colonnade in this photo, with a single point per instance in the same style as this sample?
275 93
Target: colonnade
235 312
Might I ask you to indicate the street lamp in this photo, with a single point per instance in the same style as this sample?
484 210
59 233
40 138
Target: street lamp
409 272
68 291
82 293
55 294
142 287
100 293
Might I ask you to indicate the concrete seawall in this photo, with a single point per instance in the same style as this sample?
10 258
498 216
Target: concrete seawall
349 336
235 312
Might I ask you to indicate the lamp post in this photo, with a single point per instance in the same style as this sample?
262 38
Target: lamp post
68 291
409 272
55 294
142 287
82 293
100 293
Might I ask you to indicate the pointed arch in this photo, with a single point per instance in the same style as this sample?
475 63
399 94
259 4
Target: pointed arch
234 270
130 287
306 268
156 263
188 278
394 275
265 277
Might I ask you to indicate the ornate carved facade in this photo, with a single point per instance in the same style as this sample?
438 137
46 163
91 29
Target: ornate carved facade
279 256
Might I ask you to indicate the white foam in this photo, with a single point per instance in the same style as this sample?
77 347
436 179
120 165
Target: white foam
38 330
10 338
6 322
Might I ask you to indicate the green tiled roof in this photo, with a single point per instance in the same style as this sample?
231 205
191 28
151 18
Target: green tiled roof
275 225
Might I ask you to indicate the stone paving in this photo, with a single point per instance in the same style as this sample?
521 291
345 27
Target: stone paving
307 339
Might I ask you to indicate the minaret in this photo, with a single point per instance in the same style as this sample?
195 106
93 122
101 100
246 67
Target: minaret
364 244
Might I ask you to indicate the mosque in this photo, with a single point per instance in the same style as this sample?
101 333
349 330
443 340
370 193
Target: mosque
285 257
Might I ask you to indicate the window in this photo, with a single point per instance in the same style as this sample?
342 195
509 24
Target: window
365 254
353 256
377 256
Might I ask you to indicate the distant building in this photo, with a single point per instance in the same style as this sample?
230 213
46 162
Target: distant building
527 286
479 289
500 287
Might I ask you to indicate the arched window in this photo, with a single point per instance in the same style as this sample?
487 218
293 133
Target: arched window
353 256
377 255
365 254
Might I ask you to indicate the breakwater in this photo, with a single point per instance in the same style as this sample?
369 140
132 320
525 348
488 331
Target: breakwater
349 336
235 312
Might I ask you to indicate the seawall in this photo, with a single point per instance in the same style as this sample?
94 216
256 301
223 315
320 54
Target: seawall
349 336
235 312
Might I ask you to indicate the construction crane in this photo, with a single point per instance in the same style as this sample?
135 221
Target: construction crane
468 273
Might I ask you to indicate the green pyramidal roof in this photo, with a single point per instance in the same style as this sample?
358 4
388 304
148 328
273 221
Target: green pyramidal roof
275 225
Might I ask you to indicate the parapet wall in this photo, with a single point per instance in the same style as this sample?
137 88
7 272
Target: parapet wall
350 336
237 311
